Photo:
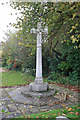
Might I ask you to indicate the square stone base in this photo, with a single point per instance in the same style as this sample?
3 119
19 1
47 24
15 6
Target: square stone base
38 87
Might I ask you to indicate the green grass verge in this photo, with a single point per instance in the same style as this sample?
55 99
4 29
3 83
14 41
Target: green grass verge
15 78
70 112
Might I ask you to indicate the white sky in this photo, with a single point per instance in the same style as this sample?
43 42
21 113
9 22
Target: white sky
6 18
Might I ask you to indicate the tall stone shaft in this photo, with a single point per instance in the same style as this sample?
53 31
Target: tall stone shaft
39 78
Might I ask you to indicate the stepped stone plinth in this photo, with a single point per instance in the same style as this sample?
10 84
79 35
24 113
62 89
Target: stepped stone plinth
39 93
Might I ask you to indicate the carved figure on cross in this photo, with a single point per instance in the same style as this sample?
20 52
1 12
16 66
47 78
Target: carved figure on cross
39 29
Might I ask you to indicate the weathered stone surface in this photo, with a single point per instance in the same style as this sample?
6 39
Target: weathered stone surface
61 118
12 107
43 110
42 100
37 95
34 110
38 87
5 98
9 102
28 105
3 102
39 31
17 96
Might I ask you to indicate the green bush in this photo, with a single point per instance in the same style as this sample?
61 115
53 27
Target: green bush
63 80
53 76
63 66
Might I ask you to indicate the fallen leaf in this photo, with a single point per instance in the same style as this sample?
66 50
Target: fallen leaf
73 89
8 96
63 114
31 107
56 102
69 109
4 116
50 104
63 105
37 117
62 110
71 112
28 117
59 113
54 114
70 96
78 107
73 109
77 113
39 114
24 103
50 110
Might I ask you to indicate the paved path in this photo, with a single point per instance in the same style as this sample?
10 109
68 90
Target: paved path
12 108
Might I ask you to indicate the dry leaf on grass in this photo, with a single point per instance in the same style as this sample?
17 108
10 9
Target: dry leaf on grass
69 109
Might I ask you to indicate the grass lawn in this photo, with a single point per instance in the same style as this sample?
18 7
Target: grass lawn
70 112
11 78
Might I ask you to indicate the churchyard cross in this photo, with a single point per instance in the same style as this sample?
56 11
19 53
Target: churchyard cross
39 31
39 79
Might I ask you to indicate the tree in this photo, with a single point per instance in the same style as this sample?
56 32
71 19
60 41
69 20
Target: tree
63 43
19 51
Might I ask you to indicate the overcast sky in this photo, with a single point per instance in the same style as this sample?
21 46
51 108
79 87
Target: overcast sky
6 18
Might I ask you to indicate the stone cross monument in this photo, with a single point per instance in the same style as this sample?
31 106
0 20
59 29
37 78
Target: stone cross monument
38 85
